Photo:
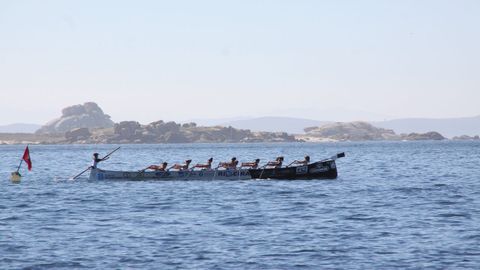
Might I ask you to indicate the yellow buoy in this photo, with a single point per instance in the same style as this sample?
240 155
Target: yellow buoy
15 177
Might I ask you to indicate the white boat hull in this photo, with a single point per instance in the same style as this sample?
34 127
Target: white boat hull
213 174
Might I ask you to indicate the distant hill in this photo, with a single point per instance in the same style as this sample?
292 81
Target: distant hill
447 127
275 124
19 128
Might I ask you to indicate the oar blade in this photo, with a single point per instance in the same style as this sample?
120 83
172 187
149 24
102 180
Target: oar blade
78 175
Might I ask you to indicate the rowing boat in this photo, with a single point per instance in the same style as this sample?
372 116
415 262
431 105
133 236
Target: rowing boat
208 174
324 169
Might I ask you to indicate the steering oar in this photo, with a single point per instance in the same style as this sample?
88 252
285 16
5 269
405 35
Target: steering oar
78 175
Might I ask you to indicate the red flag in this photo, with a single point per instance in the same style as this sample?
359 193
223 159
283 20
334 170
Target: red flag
26 158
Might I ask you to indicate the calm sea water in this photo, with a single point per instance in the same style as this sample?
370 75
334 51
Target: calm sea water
407 205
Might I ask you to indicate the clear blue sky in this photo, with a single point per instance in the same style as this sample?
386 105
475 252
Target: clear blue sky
177 60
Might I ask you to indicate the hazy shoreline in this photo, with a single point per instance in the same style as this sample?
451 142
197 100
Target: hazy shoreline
88 124
36 139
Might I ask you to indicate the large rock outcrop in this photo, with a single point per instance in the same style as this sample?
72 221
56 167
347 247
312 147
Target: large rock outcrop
429 136
171 132
77 134
362 131
89 115
351 131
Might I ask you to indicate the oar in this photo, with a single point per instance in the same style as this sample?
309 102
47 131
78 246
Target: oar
296 161
263 169
291 164
111 152
143 170
78 175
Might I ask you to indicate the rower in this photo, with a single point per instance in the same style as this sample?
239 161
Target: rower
304 162
97 160
205 166
160 168
229 165
181 167
252 165
275 164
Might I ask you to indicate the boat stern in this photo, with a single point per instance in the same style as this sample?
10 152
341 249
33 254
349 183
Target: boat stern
96 174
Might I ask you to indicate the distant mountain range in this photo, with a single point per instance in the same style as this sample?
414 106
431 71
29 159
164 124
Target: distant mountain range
19 128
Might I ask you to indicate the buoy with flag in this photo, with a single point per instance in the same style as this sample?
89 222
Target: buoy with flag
16 176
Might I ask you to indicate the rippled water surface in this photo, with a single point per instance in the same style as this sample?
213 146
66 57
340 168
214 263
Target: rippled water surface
395 205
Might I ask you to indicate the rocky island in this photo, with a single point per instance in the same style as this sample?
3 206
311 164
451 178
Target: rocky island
466 138
361 131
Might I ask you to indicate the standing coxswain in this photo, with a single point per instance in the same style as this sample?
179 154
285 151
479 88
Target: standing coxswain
97 160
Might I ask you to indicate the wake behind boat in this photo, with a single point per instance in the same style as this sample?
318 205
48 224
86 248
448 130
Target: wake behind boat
324 169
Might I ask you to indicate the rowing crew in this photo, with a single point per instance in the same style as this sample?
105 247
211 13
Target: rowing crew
229 165
232 164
